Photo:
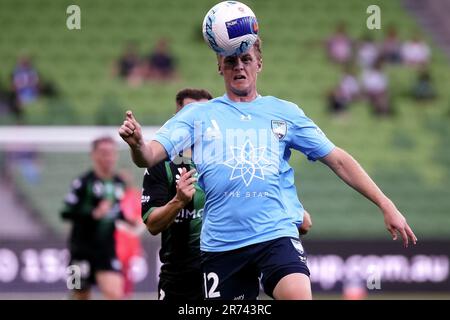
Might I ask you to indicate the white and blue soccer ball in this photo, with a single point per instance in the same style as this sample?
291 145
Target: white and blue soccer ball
230 28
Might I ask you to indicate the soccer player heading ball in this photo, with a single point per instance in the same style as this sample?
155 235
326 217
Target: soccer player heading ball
241 144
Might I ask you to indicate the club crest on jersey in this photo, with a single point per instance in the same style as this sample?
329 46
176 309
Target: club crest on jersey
279 128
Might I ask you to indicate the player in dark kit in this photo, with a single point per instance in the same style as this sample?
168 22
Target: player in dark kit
173 207
92 205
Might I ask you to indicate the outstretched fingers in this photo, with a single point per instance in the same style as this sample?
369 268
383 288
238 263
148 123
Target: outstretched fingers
393 232
411 234
406 233
404 237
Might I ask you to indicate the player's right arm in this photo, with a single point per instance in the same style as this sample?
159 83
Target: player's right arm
158 210
143 154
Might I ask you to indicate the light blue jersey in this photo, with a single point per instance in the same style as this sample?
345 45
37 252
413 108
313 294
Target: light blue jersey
241 150
295 207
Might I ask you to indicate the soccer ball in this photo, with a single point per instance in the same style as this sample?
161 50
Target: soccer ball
230 28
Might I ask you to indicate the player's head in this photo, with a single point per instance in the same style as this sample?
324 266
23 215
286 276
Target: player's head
104 155
240 72
190 95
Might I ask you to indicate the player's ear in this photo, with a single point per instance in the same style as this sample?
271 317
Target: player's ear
219 69
260 64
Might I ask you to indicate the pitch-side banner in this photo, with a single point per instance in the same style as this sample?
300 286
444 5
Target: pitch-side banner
41 266
379 265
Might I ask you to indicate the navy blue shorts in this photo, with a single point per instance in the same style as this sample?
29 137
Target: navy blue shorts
186 286
236 274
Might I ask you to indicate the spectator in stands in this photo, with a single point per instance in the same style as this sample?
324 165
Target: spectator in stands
25 81
368 52
375 84
349 85
4 102
339 46
423 89
391 47
416 52
129 66
27 86
161 63
8 102
346 92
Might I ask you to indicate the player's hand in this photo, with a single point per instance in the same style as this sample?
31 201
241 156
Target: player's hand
185 186
306 224
396 224
102 209
131 132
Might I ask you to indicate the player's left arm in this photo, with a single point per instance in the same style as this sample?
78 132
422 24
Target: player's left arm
351 172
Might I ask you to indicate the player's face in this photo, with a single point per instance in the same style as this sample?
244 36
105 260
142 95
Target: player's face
105 157
240 73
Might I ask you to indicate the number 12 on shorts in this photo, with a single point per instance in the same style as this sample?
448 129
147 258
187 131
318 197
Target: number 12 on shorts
211 293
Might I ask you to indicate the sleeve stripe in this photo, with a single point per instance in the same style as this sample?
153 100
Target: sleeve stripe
169 173
147 214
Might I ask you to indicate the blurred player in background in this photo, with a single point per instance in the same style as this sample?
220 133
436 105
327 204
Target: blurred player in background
173 206
127 236
93 207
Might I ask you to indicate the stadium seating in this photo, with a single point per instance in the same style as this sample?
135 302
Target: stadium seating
407 155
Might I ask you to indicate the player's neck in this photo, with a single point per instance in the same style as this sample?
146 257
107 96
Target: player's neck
102 174
249 97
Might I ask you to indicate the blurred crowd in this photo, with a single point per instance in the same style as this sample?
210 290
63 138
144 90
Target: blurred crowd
26 84
159 65
369 58
362 63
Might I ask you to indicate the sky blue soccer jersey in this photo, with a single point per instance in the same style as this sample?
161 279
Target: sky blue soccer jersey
241 150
